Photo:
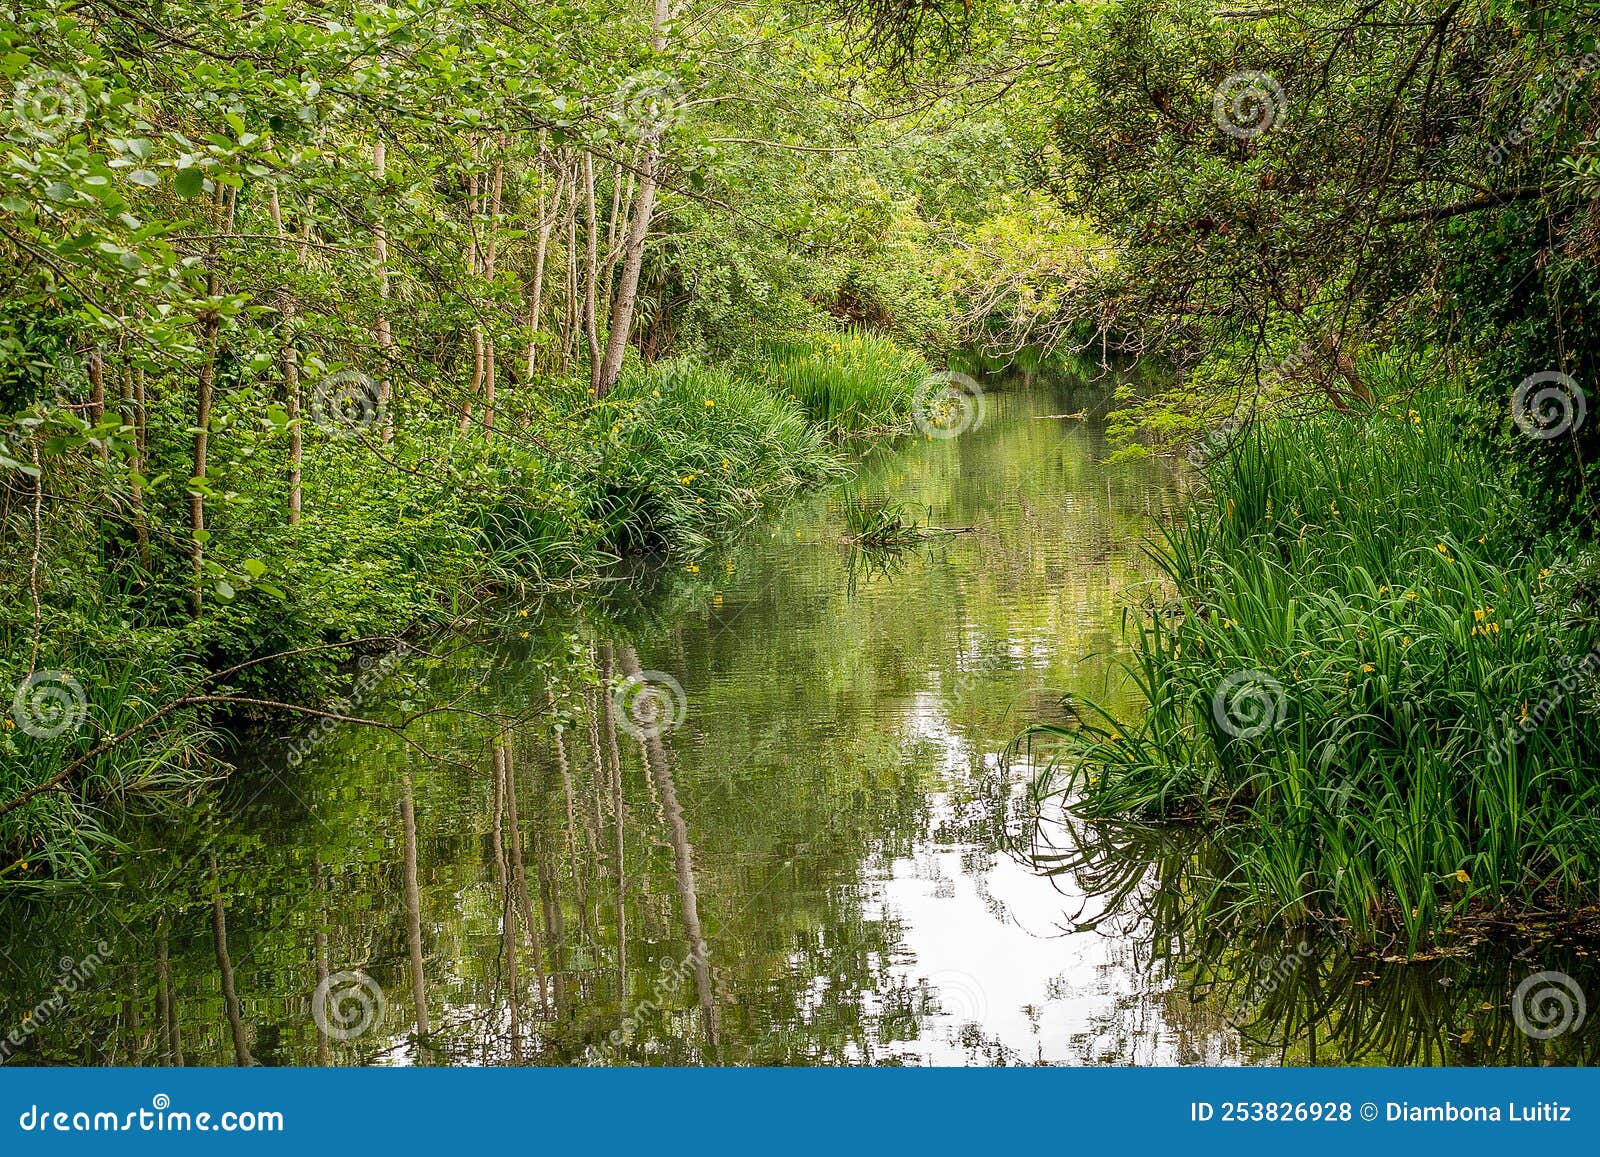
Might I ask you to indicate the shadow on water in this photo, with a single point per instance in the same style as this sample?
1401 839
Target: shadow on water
749 810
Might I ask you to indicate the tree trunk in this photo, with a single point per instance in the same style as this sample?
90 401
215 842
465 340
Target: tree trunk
380 257
591 259
638 230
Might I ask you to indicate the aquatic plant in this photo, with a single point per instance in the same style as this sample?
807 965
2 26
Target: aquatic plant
1364 622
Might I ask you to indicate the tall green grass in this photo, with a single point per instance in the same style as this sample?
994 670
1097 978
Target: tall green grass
1364 617
852 382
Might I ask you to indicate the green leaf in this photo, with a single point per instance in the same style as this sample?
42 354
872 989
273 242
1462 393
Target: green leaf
189 182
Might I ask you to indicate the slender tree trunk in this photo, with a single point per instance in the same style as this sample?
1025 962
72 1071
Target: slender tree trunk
291 368
96 365
230 995
167 1002
591 270
419 980
541 252
617 811
660 770
413 919
133 417
638 230
380 258
209 327
520 876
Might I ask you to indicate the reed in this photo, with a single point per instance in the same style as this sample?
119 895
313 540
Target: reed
853 382
1364 623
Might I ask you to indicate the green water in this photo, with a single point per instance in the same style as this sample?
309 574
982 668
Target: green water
823 853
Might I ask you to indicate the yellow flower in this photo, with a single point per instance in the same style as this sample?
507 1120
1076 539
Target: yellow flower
655 393
686 479
524 634
523 613
1383 590
716 600
1478 615
692 569
726 465
1405 640
1412 595
709 403
1367 668
1545 573
1461 875
1442 548
698 501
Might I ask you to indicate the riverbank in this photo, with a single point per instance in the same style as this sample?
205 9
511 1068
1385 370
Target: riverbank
1374 669
122 691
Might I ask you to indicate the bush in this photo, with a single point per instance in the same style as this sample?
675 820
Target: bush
1365 618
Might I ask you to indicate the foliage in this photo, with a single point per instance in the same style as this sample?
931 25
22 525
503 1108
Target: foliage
1366 614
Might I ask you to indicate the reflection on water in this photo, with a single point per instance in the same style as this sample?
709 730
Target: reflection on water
812 857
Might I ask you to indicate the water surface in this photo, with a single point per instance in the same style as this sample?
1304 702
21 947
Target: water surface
829 859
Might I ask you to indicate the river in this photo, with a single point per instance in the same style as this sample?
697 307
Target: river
811 843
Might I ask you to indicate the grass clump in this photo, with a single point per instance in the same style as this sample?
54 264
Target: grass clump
1365 621
853 382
